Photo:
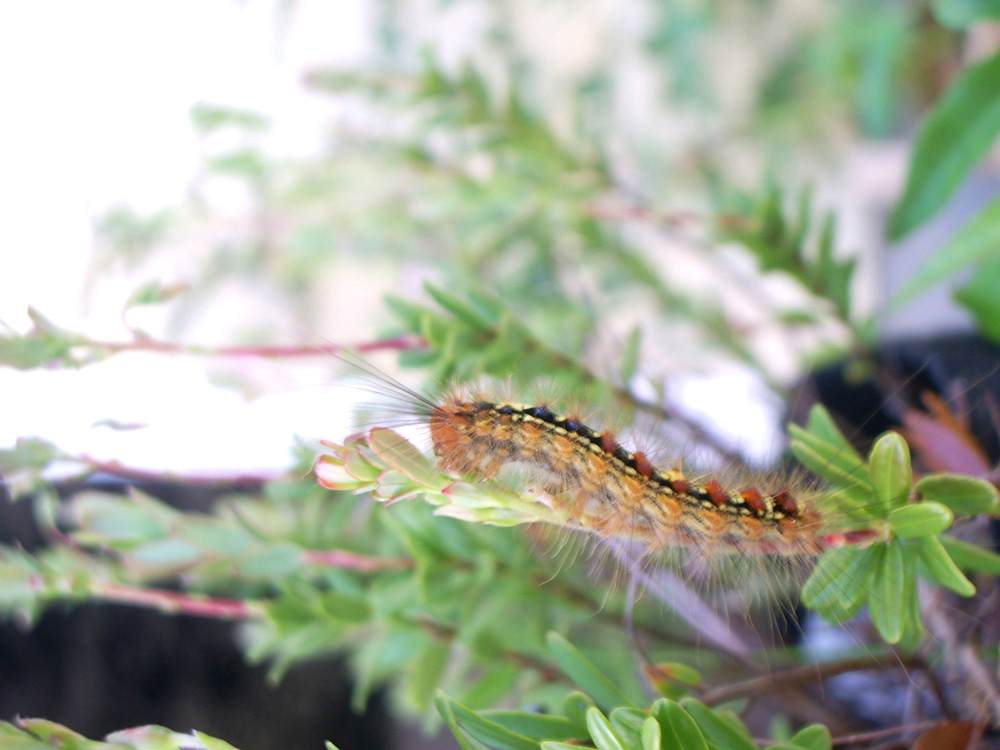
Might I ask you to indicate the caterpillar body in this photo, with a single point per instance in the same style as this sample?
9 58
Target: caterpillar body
622 490
609 489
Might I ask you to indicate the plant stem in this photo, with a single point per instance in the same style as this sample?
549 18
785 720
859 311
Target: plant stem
804 674
337 558
173 602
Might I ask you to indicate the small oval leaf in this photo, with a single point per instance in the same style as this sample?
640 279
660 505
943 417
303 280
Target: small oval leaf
889 466
920 519
886 603
719 733
680 730
966 496
812 737
941 569
601 731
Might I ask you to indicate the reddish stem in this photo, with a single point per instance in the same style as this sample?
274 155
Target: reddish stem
404 342
172 602
353 561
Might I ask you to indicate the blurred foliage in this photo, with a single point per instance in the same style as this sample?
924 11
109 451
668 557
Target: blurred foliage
599 222
39 734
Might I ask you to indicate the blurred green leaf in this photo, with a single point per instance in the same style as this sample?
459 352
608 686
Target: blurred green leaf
920 519
940 568
718 733
400 454
680 730
628 725
889 467
486 731
155 292
971 557
956 134
601 731
652 735
812 737
825 452
886 602
425 672
583 672
841 582
959 14
28 453
964 495
979 296
208 118
974 243
534 725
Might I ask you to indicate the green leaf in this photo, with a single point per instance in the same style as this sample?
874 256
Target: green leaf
214 536
463 312
680 730
719 733
823 450
841 583
913 628
627 723
574 707
940 568
652 735
601 731
960 14
886 603
207 118
889 466
584 673
465 740
920 519
425 672
164 552
535 726
979 296
114 519
481 729
955 136
155 292
821 425
812 737
975 242
971 557
964 495
272 562
28 452
401 455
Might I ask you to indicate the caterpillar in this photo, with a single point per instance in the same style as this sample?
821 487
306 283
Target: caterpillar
620 492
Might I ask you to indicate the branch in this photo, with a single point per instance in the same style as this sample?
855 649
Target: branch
805 674
175 603
337 558
401 343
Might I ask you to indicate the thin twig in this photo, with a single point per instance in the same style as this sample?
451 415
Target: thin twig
804 674
172 602
338 558
400 343
850 739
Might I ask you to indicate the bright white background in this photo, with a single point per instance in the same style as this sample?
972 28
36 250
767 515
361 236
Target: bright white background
96 99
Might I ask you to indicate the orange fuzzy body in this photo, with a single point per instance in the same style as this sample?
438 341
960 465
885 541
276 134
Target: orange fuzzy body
619 493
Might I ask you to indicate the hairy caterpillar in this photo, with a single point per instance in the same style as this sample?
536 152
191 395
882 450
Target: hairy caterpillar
618 492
